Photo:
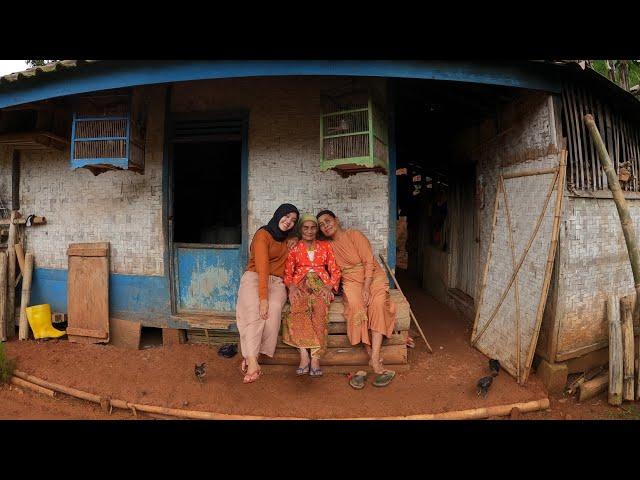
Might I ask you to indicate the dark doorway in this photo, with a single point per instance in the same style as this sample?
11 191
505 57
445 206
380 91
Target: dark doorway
207 193
436 181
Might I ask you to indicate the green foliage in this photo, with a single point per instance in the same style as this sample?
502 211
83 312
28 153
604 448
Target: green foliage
7 366
634 70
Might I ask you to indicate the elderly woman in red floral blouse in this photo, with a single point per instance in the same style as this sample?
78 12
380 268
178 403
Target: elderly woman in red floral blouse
312 275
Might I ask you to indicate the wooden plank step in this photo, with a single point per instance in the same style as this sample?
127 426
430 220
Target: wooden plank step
214 337
392 354
337 328
402 322
342 341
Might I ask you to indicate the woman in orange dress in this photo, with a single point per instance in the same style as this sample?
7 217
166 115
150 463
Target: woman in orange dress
369 312
262 293
311 274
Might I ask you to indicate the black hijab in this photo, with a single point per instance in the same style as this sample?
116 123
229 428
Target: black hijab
273 228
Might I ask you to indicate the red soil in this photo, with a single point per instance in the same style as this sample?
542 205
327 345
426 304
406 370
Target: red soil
163 376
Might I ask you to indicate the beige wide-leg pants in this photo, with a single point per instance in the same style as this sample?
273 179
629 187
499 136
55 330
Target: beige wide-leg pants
257 335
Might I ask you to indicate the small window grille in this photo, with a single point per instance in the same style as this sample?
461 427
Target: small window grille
620 135
353 133
107 135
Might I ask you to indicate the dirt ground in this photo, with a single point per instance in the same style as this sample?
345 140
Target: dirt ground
439 382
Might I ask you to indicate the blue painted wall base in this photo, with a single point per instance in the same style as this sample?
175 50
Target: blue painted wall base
142 298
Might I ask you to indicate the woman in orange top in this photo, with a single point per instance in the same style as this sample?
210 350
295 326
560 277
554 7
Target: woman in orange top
368 308
262 293
311 274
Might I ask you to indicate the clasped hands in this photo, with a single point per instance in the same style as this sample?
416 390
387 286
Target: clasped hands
295 293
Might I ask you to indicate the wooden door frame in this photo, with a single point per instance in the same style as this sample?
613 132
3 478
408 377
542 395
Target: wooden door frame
169 156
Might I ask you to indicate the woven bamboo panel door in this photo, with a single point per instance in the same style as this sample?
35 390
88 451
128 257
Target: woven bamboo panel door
88 292
517 272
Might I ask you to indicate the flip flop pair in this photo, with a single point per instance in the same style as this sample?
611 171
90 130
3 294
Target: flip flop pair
359 379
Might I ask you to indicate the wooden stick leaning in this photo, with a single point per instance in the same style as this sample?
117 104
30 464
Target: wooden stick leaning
11 275
23 332
615 350
621 203
626 318
413 317
3 297
20 256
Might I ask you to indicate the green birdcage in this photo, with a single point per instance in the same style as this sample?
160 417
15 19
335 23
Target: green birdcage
353 133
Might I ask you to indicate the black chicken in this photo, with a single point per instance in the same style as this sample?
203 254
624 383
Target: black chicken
199 371
494 366
483 386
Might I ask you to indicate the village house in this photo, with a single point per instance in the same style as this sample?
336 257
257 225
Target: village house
177 163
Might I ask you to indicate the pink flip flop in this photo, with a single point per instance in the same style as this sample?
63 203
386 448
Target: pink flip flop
252 377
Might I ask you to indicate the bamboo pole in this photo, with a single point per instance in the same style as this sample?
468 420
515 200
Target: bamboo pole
58 388
413 317
23 333
11 275
626 316
3 297
615 350
32 386
551 255
471 414
621 203
529 173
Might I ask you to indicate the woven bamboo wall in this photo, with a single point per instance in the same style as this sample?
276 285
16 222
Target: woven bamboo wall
526 140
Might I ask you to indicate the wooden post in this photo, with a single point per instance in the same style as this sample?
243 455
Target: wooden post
15 181
23 333
628 357
615 350
20 256
11 275
3 297
620 201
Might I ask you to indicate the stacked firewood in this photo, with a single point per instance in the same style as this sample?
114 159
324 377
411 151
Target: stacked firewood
618 376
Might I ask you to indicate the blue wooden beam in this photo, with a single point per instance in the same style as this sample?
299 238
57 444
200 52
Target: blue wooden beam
119 74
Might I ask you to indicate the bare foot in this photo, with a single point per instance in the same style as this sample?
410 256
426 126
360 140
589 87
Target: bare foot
304 358
315 363
378 367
